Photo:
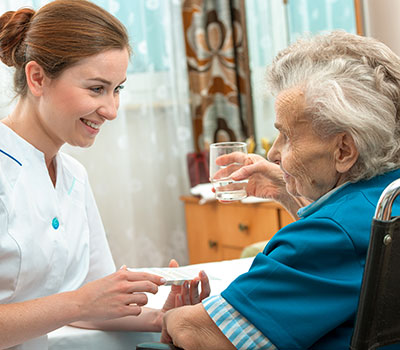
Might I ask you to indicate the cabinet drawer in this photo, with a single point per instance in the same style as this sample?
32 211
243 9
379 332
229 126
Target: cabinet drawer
219 231
244 224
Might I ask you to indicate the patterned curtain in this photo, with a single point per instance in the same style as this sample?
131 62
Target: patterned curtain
219 78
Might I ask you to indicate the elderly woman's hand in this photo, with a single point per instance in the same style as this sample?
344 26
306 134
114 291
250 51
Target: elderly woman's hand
188 293
265 179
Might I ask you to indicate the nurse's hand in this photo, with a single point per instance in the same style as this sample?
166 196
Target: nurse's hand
117 295
188 293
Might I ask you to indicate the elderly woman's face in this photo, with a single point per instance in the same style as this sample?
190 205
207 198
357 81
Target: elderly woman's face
306 160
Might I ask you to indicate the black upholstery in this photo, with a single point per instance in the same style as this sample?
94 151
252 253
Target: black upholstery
378 314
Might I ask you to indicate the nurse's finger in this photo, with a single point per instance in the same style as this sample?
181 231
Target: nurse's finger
143 276
142 286
140 299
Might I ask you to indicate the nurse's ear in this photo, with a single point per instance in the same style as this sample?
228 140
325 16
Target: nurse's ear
35 78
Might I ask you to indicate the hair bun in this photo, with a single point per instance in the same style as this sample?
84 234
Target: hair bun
13 27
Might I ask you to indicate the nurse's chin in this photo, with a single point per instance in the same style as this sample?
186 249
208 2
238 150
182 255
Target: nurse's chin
82 143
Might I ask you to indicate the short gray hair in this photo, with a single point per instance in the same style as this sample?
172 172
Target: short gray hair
351 84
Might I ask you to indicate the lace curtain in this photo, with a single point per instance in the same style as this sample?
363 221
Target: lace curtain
271 26
137 165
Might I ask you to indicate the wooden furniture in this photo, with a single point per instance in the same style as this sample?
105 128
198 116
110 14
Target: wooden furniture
219 231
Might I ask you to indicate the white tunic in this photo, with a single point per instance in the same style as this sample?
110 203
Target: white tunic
51 238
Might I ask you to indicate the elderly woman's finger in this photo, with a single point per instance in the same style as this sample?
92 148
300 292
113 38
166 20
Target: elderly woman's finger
194 291
178 300
246 171
227 171
205 286
234 157
173 263
185 294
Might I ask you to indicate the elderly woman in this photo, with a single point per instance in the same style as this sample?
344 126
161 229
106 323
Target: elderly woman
337 113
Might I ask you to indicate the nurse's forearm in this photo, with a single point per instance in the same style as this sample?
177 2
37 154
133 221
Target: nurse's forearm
20 322
191 328
149 320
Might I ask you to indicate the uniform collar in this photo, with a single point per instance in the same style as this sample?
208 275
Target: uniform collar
16 147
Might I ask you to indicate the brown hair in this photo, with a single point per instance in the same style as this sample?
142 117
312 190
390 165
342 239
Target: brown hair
57 36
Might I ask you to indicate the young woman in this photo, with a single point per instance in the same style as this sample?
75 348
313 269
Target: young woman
70 60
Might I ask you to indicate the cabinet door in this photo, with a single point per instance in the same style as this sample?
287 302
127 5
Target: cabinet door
230 253
284 218
201 226
244 224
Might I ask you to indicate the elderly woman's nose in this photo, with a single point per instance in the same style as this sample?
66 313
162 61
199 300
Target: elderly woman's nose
274 155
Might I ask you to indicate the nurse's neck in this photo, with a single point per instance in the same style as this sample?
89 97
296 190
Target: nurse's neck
27 124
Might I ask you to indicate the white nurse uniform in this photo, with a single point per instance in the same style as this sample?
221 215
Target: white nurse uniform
51 237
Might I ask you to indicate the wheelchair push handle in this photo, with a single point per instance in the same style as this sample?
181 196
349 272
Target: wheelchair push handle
383 210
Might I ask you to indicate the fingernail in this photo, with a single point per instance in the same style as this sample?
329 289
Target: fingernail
122 267
202 273
163 280
186 284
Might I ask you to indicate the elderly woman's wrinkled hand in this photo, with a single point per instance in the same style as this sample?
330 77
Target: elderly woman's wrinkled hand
265 178
188 293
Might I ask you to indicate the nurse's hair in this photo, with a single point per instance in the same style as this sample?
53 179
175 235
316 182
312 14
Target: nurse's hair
57 36
351 84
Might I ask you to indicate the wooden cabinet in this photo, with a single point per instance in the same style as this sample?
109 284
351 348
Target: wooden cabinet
219 231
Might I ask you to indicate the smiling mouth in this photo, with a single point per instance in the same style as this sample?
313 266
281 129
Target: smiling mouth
91 124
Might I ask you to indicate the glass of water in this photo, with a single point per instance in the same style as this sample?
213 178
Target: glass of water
226 158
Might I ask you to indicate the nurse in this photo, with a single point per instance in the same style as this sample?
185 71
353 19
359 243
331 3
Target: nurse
70 61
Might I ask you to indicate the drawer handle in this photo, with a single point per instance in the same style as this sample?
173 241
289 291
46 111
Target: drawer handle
212 244
243 227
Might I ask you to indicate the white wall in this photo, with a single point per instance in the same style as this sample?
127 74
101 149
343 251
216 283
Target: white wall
382 21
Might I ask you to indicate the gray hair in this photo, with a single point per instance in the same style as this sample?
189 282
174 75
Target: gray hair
351 84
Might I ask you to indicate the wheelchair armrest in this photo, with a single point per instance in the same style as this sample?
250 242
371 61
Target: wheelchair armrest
156 346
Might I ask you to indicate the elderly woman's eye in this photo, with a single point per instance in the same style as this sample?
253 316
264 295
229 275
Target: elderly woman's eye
284 136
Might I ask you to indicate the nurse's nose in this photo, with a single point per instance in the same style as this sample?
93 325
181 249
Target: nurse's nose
109 107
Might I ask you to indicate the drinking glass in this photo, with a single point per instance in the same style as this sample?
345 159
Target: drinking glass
226 189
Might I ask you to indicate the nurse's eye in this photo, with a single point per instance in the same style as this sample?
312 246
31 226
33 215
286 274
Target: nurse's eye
97 89
118 89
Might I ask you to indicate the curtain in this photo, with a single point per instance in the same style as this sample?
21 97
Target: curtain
137 166
216 49
267 35
271 26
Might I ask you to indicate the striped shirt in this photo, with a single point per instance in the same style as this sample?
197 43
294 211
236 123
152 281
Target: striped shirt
240 332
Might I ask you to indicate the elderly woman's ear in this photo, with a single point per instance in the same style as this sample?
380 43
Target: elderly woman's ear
346 153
